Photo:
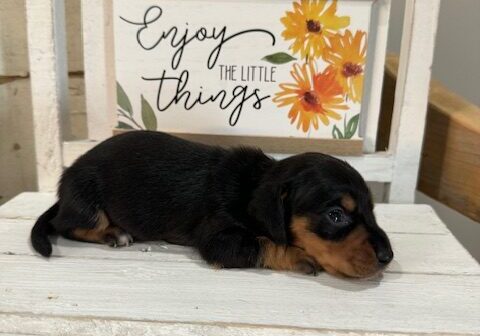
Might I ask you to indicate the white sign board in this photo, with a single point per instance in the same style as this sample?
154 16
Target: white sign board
268 68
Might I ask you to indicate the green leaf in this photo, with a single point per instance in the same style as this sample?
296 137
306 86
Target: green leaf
279 58
122 100
148 116
336 133
123 125
352 126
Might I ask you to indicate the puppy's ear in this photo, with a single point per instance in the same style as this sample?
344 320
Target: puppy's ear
267 208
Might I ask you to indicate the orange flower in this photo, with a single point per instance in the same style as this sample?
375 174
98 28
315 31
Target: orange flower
314 96
310 26
347 56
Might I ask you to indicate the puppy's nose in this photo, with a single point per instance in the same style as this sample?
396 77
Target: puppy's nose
385 256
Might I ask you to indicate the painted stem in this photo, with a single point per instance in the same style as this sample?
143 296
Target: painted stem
126 116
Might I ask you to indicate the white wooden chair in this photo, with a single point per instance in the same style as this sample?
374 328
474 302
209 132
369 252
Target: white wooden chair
433 286
397 167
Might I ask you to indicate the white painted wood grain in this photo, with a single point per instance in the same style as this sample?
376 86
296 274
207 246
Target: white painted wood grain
414 253
411 97
188 292
377 49
98 47
60 326
17 150
398 218
28 205
373 167
48 73
16 334
409 218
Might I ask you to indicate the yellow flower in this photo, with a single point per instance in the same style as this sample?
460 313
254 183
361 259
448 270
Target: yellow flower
310 26
347 56
314 96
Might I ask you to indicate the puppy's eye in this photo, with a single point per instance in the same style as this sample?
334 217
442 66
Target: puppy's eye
337 216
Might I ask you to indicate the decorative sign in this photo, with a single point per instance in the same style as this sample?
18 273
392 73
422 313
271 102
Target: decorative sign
267 68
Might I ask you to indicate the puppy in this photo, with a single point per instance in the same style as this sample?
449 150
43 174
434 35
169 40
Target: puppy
238 207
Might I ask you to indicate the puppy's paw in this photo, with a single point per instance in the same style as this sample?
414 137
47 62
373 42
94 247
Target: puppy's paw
303 263
286 258
119 238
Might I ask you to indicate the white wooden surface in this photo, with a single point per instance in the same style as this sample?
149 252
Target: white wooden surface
433 286
411 97
97 24
48 73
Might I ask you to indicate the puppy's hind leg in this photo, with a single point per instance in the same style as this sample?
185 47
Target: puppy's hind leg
80 215
102 233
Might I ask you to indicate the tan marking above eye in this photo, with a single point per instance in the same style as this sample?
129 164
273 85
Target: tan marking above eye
353 256
348 203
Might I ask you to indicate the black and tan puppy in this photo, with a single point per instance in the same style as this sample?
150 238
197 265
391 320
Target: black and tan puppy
238 207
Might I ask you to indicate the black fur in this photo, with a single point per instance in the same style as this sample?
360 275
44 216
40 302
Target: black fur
159 187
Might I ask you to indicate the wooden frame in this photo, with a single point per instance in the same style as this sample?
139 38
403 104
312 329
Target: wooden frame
411 98
399 165
98 54
48 73
374 78
280 145
452 145
452 140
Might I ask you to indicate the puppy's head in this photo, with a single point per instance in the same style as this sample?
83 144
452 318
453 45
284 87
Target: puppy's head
323 205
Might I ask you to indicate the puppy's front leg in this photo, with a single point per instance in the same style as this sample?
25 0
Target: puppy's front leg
235 247
285 258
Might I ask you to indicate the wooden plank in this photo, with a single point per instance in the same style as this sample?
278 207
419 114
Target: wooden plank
275 144
13 34
373 167
17 150
449 171
60 326
187 292
452 139
16 334
27 205
97 24
388 100
395 218
13 37
377 43
409 218
409 115
414 253
48 73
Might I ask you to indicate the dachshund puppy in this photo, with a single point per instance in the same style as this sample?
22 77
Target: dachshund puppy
238 207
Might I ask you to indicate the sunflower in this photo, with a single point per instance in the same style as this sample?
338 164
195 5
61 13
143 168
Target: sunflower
314 96
310 25
347 57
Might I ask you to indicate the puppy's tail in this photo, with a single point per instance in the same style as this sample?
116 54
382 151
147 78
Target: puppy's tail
41 230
